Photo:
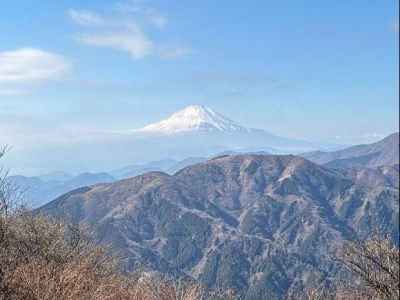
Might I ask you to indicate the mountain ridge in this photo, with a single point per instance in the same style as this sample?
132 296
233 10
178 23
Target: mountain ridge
254 223
382 152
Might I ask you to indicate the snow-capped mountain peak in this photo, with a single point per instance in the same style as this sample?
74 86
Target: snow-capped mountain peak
193 118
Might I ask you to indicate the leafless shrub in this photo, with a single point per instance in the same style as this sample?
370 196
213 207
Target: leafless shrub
10 196
376 262
374 265
337 294
44 259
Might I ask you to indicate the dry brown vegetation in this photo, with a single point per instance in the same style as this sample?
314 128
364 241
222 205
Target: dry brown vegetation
376 263
43 259
375 268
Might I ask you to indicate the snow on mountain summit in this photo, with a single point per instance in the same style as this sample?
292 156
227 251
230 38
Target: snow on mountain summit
193 118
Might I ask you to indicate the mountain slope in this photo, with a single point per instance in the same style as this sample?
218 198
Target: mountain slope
384 152
263 225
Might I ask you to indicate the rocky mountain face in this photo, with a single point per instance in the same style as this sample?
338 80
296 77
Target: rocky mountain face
263 225
384 152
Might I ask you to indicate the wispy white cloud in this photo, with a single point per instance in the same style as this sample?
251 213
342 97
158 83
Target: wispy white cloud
11 91
174 52
131 40
84 17
126 28
157 20
149 14
29 66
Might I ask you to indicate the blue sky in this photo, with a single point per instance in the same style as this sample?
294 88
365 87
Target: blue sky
316 70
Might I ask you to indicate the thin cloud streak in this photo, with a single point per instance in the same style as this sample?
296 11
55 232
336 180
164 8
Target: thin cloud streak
85 18
148 14
131 40
126 30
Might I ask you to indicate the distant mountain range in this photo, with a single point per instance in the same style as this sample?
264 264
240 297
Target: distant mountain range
264 225
383 152
39 190
169 166
42 189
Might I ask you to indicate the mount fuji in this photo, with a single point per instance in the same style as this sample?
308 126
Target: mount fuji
194 118
200 131
195 131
